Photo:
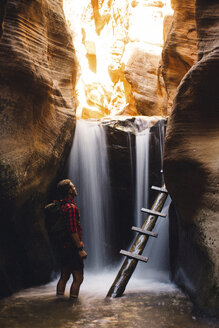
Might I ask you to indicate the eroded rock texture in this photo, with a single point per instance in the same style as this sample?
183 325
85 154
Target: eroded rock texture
141 71
119 45
180 47
191 167
38 69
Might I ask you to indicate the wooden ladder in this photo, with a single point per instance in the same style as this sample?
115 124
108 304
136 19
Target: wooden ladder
134 254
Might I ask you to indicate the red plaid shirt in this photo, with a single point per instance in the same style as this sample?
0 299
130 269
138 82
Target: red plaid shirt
72 217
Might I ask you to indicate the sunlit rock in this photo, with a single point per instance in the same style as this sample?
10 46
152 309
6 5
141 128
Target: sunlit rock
141 71
180 47
104 32
191 167
97 100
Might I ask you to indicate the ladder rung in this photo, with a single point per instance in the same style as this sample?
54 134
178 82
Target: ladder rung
153 212
145 232
159 189
134 256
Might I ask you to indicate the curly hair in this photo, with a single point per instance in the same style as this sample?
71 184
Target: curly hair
64 186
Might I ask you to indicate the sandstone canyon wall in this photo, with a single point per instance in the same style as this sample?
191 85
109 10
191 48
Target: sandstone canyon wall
119 45
37 114
180 47
191 167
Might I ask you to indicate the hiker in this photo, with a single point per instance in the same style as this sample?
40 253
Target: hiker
72 253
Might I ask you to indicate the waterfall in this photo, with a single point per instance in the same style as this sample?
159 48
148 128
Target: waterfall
89 171
157 249
162 128
131 156
142 176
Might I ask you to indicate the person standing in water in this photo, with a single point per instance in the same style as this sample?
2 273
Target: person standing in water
72 252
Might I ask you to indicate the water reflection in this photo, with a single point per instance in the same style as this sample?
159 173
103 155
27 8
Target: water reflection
145 304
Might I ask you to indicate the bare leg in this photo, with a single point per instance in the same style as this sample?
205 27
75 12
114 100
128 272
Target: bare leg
78 277
65 275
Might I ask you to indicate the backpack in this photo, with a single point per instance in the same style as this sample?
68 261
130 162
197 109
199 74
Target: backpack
55 224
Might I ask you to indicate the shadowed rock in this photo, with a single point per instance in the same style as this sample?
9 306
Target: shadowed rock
191 167
37 105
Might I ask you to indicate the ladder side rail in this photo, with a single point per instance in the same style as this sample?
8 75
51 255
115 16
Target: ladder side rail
137 247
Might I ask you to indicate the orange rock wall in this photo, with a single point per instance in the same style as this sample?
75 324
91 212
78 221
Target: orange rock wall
119 45
180 48
37 115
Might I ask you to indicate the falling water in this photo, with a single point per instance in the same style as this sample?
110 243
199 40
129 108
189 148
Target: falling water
89 171
131 156
161 127
142 176
150 299
157 249
156 271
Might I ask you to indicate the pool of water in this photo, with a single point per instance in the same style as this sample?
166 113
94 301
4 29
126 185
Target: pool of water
146 303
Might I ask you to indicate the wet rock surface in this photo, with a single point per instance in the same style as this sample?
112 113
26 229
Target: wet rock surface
191 167
38 70
121 142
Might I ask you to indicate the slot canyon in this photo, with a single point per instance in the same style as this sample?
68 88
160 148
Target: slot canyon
126 67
